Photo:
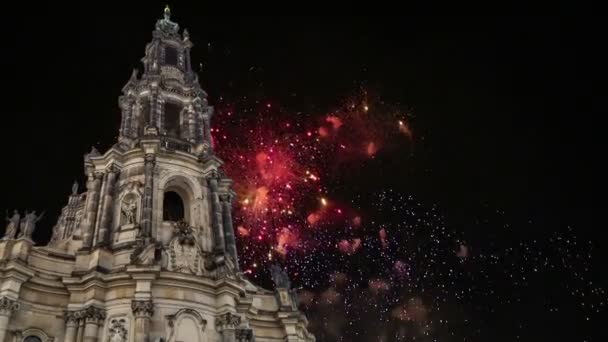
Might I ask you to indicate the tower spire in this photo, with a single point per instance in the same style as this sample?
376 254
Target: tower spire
167 12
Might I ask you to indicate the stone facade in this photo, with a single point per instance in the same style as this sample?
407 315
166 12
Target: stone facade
147 252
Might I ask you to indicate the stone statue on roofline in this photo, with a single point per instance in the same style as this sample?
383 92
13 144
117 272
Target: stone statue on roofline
280 277
29 224
13 225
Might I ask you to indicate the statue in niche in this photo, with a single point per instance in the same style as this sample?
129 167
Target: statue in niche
13 225
29 224
129 210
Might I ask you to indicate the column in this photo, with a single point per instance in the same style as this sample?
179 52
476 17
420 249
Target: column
206 128
71 325
93 317
143 311
153 110
191 125
216 216
80 332
146 220
125 109
228 228
93 191
7 308
107 206
226 325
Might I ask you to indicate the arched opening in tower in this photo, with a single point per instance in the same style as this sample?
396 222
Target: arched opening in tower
172 119
173 207
170 56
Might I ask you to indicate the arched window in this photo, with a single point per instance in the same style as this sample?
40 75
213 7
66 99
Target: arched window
173 207
32 339
172 119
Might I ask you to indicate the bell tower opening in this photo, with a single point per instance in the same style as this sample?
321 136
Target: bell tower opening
170 56
173 207
172 119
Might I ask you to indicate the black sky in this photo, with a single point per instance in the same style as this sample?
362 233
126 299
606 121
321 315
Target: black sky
502 105
499 102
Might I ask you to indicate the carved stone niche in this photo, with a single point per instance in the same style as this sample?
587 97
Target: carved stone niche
128 213
186 325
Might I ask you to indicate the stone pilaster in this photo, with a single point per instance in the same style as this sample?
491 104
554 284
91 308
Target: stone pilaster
207 129
125 107
7 308
143 311
216 216
146 220
93 317
191 125
226 325
90 216
229 229
153 120
106 209
80 331
71 326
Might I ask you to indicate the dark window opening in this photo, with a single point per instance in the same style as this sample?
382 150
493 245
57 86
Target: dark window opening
170 56
172 122
173 207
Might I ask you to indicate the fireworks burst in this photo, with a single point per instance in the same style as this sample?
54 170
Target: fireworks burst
391 258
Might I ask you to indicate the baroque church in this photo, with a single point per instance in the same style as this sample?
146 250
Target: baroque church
147 251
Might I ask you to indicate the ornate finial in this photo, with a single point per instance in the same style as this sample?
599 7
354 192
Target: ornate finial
167 12
186 35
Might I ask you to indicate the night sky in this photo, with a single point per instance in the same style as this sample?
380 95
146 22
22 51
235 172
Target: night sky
454 156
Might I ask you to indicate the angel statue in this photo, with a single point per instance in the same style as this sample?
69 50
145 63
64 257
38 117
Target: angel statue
13 225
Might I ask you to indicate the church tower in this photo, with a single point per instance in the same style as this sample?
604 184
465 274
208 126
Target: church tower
147 251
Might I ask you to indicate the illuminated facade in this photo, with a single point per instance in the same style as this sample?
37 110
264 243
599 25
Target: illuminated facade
147 252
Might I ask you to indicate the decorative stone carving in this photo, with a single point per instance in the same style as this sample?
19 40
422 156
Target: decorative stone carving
118 332
72 317
227 321
93 314
8 306
13 225
244 335
142 307
184 252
